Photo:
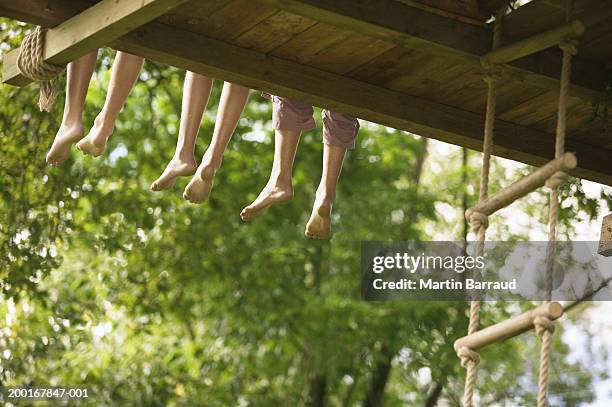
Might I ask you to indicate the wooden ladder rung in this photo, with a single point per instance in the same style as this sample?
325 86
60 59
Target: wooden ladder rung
524 186
533 44
509 328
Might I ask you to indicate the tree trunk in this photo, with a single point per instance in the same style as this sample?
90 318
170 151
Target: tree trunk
433 397
416 176
380 376
420 162
315 391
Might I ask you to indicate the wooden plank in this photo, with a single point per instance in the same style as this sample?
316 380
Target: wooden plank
218 59
346 55
415 28
426 77
46 13
533 110
310 43
193 13
94 27
391 64
510 95
578 114
274 31
232 20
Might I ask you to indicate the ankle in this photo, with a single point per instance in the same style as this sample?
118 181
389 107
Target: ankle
324 198
207 171
211 164
185 157
72 123
281 182
104 122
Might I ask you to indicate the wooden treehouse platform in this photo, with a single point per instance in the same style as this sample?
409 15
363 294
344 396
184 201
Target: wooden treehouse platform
410 64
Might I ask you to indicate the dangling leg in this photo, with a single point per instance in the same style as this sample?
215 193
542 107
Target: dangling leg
279 188
290 118
319 224
71 129
126 69
339 133
231 105
196 91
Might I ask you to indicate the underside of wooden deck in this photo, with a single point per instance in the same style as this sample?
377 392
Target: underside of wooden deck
412 65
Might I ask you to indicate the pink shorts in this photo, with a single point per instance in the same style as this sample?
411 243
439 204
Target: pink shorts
339 129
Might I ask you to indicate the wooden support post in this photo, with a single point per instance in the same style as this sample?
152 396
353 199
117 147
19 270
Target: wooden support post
509 328
89 30
524 186
605 241
533 44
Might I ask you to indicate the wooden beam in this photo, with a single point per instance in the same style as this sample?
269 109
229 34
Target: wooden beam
509 327
46 13
416 28
89 30
183 49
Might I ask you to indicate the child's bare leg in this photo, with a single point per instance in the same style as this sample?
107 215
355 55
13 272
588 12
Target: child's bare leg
196 91
231 105
319 224
126 69
279 188
339 134
71 129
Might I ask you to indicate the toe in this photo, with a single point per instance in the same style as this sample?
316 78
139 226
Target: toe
244 215
312 236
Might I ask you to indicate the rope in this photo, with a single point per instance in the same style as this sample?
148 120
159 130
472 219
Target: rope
478 220
31 63
544 327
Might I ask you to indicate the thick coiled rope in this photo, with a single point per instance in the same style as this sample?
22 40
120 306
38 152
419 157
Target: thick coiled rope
31 63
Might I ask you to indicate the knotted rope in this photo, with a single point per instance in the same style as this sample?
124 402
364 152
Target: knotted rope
544 327
468 356
32 64
478 220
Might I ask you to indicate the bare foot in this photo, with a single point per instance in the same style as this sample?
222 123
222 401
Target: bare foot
65 137
199 187
175 168
270 195
94 143
319 224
